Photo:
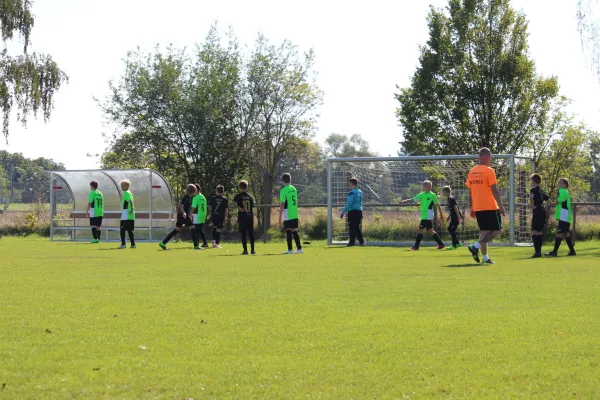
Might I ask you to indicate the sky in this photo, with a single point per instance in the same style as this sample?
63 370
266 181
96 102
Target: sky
363 50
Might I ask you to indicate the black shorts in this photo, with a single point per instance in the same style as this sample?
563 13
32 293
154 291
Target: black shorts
183 222
426 224
538 220
355 216
128 224
218 221
563 227
290 224
245 223
199 227
96 221
489 220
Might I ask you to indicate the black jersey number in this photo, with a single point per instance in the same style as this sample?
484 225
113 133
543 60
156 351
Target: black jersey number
99 203
202 207
293 200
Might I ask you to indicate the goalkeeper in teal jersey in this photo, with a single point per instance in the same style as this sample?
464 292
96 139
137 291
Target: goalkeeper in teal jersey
427 200
564 216
354 208
95 210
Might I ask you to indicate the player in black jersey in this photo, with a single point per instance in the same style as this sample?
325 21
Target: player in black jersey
183 218
218 206
537 198
454 217
245 206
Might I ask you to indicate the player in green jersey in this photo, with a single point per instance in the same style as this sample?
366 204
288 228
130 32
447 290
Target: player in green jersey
95 210
288 213
199 212
127 215
564 216
427 200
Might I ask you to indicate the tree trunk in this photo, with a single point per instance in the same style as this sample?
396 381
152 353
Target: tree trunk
267 198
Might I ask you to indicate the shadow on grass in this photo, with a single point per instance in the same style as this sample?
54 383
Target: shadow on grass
462 265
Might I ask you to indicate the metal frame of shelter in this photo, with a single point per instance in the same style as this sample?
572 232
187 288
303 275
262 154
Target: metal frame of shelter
153 202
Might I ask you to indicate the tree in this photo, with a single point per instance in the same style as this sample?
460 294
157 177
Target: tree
180 113
278 104
595 157
475 84
568 156
337 145
28 82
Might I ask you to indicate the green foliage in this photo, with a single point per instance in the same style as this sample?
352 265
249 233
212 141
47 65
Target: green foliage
28 82
175 324
337 145
475 84
569 157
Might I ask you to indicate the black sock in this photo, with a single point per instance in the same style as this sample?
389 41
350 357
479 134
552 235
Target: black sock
539 242
194 237
170 236
455 241
122 232
569 242
94 233
251 234
201 235
98 231
244 242
557 244
418 241
215 235
437 239
218 237
289 239
297 240
131 238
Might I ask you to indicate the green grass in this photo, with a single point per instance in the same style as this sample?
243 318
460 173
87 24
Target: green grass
85 321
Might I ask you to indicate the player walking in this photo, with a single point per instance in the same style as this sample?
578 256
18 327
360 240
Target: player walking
427 200
218 211
486 204
288 213
95 210
127 215
354 208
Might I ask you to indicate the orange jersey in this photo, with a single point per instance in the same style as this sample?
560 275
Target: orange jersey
480 181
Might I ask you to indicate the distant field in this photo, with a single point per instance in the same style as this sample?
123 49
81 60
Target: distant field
89 321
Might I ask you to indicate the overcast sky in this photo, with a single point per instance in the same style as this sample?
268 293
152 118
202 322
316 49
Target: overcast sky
363 49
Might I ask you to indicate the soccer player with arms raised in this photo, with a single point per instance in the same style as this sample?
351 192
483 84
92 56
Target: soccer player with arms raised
218 211
245 205
427 200
537 198
564 216
184 220
288 213
95 210
486 204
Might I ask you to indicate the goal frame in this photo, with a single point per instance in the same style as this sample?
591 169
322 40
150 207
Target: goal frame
511 158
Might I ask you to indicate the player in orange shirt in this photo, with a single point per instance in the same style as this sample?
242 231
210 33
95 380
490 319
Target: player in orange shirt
486 204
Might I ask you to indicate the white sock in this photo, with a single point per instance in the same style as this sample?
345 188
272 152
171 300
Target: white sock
485 257
477 245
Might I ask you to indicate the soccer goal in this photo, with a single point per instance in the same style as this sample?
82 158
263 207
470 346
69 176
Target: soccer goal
387 180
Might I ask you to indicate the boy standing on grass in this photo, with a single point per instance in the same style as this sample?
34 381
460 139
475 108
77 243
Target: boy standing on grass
95 210
564 216
127 215
354 208
288 213
218 211
427 200
199 211
454 217
183 218
537 198
245 205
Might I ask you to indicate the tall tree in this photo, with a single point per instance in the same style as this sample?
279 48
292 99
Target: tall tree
475 84
279 103
338 145
180 112
28 82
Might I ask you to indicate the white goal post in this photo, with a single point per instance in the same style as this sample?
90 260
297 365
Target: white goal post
387 180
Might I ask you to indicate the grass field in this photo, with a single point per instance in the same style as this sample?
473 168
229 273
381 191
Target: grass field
88 321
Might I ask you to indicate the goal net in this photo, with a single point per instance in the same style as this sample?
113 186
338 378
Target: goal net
386 181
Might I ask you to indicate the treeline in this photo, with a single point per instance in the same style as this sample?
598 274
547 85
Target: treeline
25 180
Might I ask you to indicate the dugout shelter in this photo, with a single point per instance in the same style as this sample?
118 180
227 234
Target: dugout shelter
69 191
